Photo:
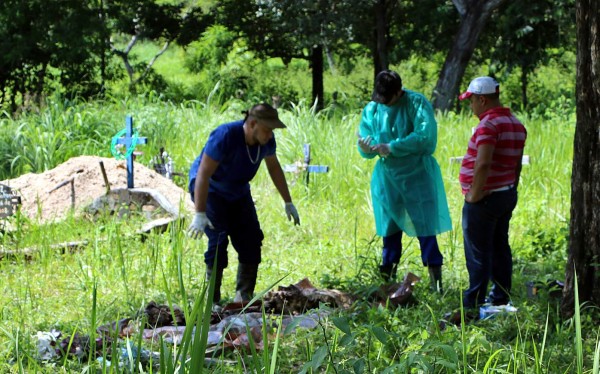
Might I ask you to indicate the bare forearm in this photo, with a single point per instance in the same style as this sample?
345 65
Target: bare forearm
518 175
483 163
278 178
207 168
280 183
201 194
480 175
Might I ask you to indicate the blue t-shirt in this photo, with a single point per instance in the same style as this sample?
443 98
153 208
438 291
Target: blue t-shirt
238 162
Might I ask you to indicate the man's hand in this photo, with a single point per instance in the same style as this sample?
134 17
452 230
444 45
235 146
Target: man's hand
291 211
198 225
383 149
472 198
365 143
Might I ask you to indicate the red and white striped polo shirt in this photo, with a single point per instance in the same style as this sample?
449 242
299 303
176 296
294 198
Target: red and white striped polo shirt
499 127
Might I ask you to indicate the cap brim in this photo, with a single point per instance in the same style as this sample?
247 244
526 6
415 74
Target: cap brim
465 95
272 123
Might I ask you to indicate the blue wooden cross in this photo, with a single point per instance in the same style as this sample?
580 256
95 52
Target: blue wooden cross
126 141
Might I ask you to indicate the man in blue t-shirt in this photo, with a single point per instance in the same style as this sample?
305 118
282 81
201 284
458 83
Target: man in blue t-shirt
219 186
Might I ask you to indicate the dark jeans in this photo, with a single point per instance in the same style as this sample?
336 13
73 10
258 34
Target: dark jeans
392 250
487 251
235 220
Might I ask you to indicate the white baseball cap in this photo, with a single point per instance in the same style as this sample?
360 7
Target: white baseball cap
481 86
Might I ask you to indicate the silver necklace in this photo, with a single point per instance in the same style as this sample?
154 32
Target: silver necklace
250 157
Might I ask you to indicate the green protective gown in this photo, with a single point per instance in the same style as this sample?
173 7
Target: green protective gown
406 187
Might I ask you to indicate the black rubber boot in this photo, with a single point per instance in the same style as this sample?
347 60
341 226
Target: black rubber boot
388 272
246 281
218 281
435 279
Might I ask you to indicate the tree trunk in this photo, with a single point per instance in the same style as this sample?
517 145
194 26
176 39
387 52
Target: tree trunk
15 91
330 60
583 264
380 57
104 42
40 82
316 64
524 99
474 14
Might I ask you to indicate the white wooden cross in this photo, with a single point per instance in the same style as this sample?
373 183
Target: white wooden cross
305 166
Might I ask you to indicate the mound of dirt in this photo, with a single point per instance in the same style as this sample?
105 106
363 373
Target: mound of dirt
44 198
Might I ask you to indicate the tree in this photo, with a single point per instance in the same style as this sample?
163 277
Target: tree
583 263
394 30
292 29
68 43
474 15
526 34
382 11
39 37
150 20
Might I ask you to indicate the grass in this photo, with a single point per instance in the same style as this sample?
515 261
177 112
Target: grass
117 275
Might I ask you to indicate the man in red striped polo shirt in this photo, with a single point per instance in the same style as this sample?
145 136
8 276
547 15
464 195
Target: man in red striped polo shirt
489 177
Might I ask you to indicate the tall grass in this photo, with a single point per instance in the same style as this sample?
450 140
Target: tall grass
117 275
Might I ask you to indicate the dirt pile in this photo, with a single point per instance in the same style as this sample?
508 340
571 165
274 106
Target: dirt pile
41 199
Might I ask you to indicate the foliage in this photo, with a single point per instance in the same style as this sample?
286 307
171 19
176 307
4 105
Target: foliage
149 20
210 52
335 247
528 35
521 35
63 35
292 29
44 140
551 242
67 46
287 29
79 49
422 28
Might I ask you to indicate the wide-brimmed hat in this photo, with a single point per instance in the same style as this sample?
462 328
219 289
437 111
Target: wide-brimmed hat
481 86
266 115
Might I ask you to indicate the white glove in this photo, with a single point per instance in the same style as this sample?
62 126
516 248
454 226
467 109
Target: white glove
383 149
365 144
198 225
291 211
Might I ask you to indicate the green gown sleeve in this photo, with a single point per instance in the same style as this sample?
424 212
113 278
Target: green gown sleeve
366 129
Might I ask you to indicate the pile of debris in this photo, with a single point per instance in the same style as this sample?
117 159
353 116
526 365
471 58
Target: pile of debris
237 326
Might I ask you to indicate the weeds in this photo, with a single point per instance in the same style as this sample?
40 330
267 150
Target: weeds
334 247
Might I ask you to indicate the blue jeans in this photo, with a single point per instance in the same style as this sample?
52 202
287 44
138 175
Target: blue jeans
487 251
392 250
235 220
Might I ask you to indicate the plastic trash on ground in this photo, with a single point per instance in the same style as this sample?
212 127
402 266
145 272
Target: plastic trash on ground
490 311
46 344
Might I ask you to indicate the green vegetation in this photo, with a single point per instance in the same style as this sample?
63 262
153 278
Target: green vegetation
118 274
65 91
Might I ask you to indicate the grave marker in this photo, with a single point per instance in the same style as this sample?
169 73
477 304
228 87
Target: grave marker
130 140
298 167
9 201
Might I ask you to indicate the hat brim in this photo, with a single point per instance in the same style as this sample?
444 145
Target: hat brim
465 95
272 123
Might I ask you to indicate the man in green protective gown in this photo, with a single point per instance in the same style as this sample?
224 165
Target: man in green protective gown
398 126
